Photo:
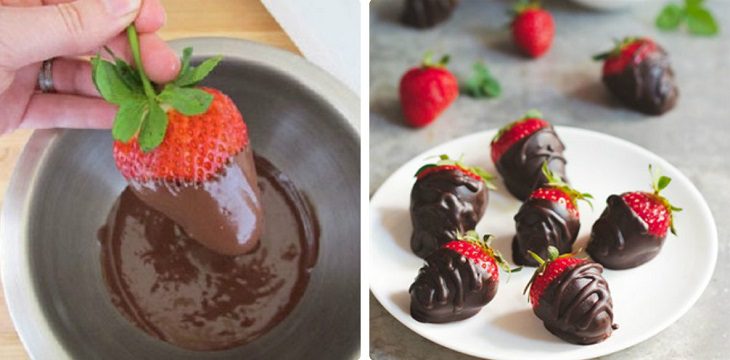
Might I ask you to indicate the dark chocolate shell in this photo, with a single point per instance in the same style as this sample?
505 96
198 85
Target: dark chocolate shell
541 223
427 13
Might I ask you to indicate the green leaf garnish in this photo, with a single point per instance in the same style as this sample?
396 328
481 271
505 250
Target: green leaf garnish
700 20
142 110
482 83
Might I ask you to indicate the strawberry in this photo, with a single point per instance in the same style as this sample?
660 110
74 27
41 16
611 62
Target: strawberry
457 281
516 131
426 91
637 72
572 298
447 164
533 29
184 146
549 218
632 229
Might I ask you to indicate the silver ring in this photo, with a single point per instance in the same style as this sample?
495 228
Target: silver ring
45 77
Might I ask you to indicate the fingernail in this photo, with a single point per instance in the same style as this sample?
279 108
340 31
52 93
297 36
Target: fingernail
122 7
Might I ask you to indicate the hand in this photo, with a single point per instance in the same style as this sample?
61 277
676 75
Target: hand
35 30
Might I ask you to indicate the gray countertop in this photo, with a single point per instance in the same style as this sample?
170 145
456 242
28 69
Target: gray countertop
565 86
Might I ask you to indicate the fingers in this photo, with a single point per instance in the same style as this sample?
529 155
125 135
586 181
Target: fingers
68 111
33 34
73 76
151 16
160 63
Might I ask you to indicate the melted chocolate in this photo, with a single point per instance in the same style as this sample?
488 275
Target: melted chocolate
648 86
427 13
541 223
443 204
227 210
450 288
521 165
620 239
577 306
181 292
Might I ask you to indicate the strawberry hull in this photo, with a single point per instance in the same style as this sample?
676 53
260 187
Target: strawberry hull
620 239
577 306
646 85
450 288
445 203
224 214
521 165
541 223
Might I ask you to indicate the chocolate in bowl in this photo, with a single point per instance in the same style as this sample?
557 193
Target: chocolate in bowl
66 183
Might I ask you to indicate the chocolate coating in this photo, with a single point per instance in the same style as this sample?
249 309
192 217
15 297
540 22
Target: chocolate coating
228 217
577 306
427 13
541 223
450 288
443 204
173 288
521 165
648 87
620 239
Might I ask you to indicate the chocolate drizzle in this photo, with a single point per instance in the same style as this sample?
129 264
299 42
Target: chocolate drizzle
620 239
442 204
541 223
648 86
450 288
427 13
521 165
577 306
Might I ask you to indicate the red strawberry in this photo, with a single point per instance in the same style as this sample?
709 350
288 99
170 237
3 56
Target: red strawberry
516 131
426 91
653 208
557 191
446 164
549 271
184 150
629 52
533 29
479 253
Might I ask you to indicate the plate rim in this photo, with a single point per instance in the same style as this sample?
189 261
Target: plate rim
704 206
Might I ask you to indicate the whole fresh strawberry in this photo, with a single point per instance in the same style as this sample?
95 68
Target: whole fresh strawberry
549 217
184 150
448 198
632 229
533 29
457 281
572 298
519 150
637 72
426 91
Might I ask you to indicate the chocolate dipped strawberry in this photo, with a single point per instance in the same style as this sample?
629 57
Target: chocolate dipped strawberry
185 151
632 229
519 150
427 13
637 72
426 91
572 298
448 198
458 280
549 217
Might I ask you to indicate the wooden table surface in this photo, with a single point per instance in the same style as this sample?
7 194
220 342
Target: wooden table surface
247 19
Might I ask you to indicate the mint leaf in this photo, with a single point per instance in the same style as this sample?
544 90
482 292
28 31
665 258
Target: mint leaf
693 3
109 83
482 83
670 17
188 101
701 22
195 74
129 119
153 128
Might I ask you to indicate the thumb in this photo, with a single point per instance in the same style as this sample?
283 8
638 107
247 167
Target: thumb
33 34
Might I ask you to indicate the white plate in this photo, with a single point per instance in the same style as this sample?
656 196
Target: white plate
646 299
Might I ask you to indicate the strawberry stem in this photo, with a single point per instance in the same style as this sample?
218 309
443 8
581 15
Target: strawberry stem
134 45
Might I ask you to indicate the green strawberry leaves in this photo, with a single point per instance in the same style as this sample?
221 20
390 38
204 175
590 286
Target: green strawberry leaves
142 110
444 160
482 84
700 20
660 182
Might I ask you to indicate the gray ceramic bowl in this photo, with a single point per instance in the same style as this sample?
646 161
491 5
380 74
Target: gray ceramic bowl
299 117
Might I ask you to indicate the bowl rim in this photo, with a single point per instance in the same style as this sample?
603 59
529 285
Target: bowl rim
28 318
